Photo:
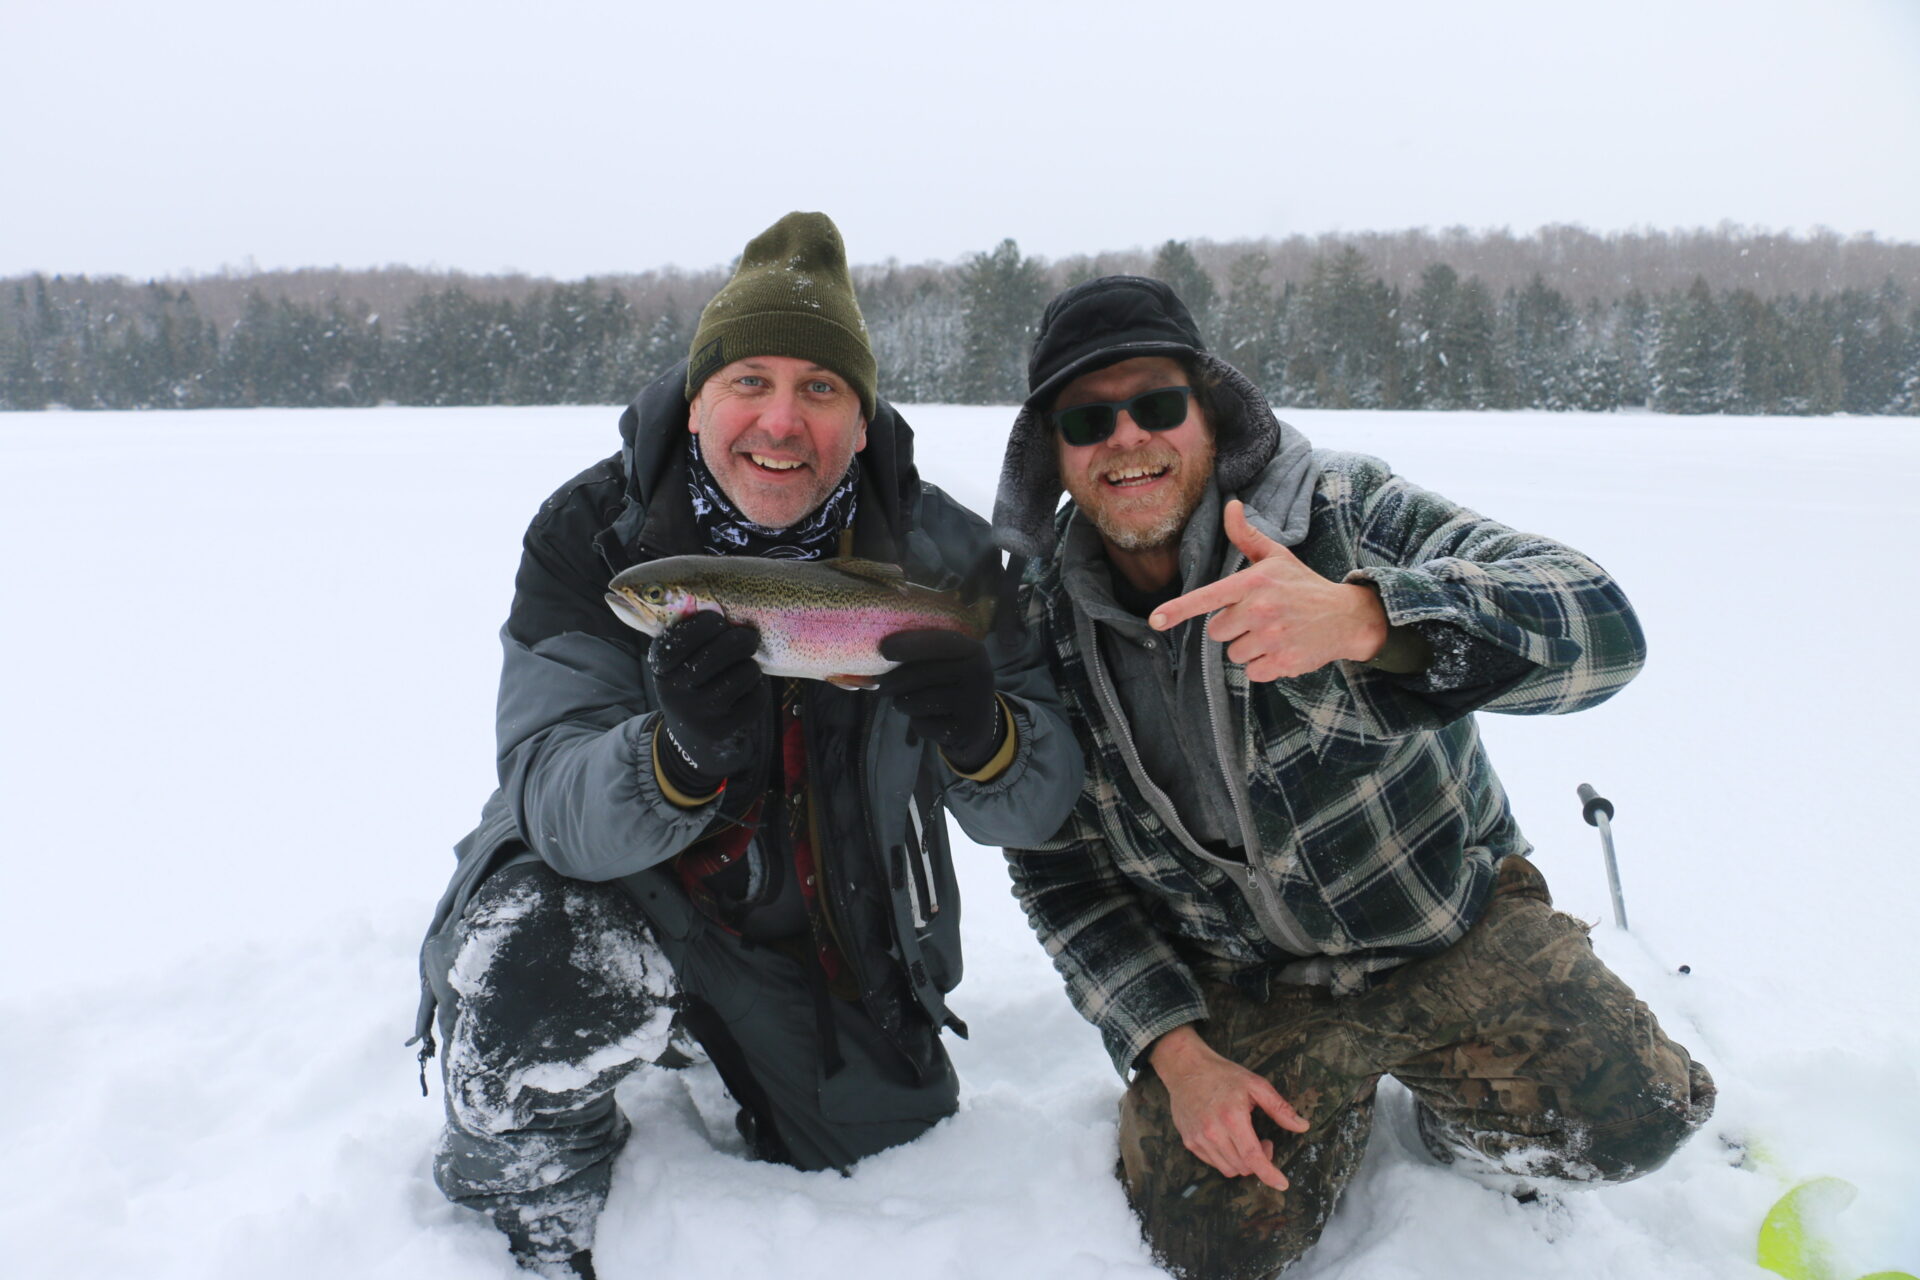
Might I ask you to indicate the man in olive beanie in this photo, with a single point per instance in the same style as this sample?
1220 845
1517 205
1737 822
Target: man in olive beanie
791 295
687 858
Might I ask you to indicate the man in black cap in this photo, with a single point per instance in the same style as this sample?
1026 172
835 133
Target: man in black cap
686 857
1291 869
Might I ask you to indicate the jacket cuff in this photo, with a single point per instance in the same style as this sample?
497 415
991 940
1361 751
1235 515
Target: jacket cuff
1406 652
675 795
1129 1046
997 763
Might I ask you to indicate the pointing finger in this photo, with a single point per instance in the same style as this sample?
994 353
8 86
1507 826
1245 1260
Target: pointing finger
1255 1159
1214 595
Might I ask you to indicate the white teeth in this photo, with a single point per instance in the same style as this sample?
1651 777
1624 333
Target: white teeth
776 464
1132 475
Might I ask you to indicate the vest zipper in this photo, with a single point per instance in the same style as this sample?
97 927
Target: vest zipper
1275 920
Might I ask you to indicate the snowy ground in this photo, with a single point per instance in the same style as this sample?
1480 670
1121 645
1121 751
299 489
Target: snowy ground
248 707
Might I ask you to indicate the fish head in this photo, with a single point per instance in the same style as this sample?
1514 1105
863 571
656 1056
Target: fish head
649 603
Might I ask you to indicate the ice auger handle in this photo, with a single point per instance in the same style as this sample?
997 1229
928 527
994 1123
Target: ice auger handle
1593 802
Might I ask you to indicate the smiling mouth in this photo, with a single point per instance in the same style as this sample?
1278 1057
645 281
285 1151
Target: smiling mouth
765 463
1134 477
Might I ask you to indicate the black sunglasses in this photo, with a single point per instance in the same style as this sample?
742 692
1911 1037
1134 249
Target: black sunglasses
1161 409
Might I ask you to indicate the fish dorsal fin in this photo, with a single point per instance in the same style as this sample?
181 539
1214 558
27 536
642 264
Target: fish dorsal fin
875 571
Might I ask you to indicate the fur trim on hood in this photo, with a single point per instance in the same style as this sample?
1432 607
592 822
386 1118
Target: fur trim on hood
1247 438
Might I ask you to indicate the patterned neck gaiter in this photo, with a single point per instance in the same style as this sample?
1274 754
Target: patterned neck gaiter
726 532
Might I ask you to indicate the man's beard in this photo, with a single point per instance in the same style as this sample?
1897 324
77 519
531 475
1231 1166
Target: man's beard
1163 533
1194 472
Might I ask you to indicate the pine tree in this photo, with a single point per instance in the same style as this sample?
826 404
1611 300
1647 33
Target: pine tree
547 324
1908 401
1813 356
1598 379
454 349
1636 332
1003 294
352 355
1693 366
1430 320
1872 348
1763 366
1473 378
56 346
1175 264
666 344
1543 365
1349 334
917 330
573 346
1249 326
20 386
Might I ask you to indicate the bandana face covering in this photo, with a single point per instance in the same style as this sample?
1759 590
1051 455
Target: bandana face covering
727 532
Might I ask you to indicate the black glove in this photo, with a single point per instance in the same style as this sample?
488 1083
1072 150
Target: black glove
945 685
715 705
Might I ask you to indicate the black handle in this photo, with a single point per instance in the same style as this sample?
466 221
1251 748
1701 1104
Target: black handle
1593 802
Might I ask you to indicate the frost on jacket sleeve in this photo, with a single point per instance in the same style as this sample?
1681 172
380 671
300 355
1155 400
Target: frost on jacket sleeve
574 723
1516 622
1121 973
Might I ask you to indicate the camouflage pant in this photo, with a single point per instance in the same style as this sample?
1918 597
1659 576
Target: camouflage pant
1525 1054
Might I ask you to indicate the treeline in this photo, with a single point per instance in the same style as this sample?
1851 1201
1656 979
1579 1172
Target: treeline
1499 322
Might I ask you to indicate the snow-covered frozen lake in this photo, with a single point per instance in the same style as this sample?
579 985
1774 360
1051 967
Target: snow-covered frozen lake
247 707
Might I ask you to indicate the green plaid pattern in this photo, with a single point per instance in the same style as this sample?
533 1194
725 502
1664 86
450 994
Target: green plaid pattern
1378 814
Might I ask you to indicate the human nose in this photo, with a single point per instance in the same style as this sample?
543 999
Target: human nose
781 415
1127 434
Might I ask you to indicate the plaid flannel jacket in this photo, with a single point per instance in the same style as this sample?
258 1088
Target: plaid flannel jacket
1378 816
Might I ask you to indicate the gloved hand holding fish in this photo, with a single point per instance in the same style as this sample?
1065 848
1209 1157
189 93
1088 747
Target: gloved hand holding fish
817 619
715 705
944 684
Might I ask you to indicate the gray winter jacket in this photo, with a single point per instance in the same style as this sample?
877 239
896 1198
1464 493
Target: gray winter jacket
576 716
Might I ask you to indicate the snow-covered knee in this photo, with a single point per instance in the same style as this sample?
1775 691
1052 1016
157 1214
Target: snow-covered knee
1517 1151
559 992
1625 1150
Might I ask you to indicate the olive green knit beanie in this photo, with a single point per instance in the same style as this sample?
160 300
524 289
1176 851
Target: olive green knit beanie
790 296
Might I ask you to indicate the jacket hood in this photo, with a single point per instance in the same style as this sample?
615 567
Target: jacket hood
653 442
1248 441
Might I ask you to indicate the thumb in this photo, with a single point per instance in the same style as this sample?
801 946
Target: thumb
1255 545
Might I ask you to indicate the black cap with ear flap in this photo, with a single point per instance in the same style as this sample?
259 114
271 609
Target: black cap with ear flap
1102 322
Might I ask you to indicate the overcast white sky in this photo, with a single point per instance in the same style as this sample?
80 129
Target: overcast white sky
573 137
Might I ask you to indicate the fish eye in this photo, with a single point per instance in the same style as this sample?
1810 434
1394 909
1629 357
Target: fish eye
655 594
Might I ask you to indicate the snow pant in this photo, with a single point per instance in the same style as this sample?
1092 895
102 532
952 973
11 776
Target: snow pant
552 991
1527 1057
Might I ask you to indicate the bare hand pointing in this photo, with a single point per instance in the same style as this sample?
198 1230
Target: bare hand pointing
1213 1100
1277 617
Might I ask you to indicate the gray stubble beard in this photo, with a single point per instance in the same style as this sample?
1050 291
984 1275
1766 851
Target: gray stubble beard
1166 532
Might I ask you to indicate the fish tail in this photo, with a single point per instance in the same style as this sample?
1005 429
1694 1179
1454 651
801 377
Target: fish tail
982 579
987 595
981 613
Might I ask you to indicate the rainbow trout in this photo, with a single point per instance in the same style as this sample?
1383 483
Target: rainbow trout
818 619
